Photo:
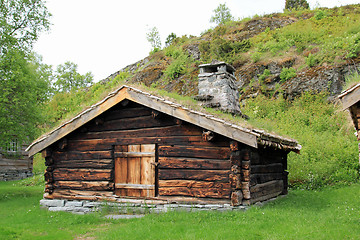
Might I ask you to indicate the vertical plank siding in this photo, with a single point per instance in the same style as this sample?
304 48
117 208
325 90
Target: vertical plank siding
187 165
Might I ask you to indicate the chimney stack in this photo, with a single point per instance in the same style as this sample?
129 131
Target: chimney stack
217 87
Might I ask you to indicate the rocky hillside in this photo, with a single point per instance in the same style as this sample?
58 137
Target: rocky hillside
283 53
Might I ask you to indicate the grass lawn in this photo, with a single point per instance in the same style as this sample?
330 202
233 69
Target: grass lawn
332 213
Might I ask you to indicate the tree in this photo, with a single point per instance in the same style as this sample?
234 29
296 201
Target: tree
169 40
21 22
222 15
296 4
153 37
68 79
24 80
24 86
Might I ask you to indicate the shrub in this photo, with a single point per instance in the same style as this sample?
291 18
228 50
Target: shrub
311 60
329 154
177 67
256 56
320 14
223 50
287 73
170 39
296 4
265 75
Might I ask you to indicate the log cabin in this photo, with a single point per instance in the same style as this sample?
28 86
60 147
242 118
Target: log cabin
133 144
350 100
14 162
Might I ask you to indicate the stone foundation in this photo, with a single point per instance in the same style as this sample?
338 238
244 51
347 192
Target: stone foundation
11 175
132 207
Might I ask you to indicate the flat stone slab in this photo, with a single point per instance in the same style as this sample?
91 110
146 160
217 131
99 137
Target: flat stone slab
124 216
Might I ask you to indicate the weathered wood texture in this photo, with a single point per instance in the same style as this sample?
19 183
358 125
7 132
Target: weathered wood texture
15 161
13 166
268 176
87 161
135 170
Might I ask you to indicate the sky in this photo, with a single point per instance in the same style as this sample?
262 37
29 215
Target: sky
105 36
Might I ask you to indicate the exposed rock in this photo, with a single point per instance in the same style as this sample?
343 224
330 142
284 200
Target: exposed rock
252 71
318 79
150 73
193 51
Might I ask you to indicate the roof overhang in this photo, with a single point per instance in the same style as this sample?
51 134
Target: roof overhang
249 137
350 96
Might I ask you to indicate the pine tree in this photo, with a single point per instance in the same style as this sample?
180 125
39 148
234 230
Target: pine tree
296 4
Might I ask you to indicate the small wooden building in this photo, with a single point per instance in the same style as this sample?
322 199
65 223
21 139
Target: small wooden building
136 145
350 99
14 162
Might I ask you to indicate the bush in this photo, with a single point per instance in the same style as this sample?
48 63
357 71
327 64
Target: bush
320 14
178 65
223 50
287 73
329 154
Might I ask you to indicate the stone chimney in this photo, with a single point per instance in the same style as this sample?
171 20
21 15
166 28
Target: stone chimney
217 87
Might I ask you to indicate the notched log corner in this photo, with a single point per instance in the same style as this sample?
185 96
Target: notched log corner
208 136
156 114
234 146
63 143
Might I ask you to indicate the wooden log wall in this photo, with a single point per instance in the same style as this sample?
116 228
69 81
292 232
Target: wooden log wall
268 175
12 166
189 164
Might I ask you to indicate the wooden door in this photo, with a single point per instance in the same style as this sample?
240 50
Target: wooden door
135 170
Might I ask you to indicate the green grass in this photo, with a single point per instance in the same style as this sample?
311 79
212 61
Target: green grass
22 218
328 214
331 213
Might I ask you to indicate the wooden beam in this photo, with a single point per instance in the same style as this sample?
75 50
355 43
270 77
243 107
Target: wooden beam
193 163
78 121
350 98
46 153
198 119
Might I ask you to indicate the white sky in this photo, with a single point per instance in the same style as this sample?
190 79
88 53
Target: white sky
104 36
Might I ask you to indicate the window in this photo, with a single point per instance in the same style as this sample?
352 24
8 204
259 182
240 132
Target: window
12 146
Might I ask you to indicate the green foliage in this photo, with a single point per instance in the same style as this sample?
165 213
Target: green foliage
223 50
264 76
320 14
329 154
328 36
221 15
24 86
153 37
169 40
64 105
21 22
296 4
68 79
351 80
311 60
178 66
24 80
287 73
256 56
